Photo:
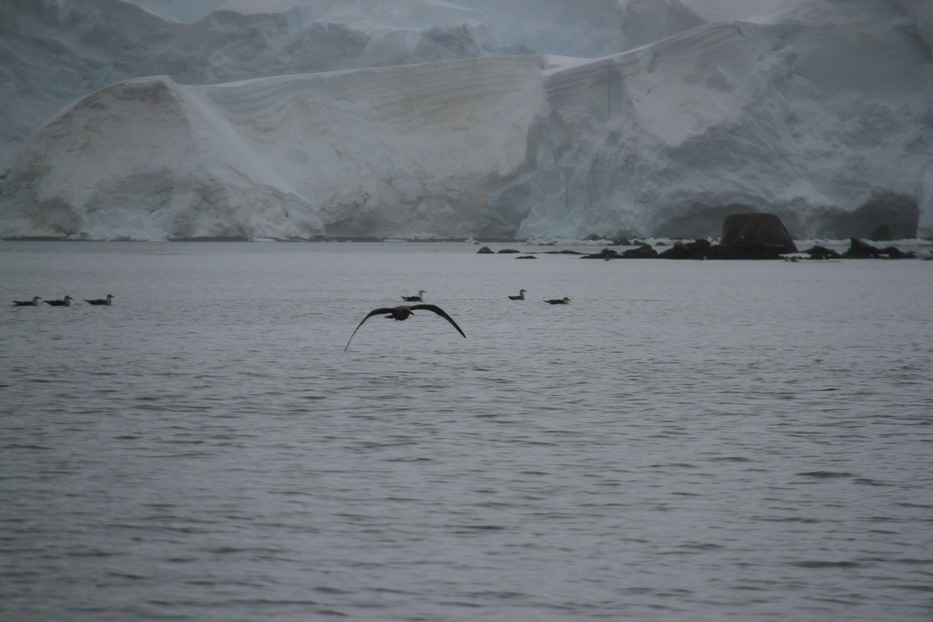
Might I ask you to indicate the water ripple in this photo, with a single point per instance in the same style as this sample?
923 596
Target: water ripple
762 452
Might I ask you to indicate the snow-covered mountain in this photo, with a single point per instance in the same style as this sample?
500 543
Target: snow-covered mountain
568 27
822 113
53 52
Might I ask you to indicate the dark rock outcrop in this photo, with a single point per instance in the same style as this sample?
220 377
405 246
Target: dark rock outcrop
697 249
860 249
895 253
754 233
703 249
606 253
821 252
642 251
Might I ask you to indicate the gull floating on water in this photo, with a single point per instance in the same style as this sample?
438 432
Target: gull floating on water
401 313
65 302
520 296
28 303
100 301
417 298
558 301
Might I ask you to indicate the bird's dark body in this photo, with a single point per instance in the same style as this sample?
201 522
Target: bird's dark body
403 312
28 303
65 302
100 301
395 313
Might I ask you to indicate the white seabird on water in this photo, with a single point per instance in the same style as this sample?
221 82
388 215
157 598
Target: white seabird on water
417 298
100 301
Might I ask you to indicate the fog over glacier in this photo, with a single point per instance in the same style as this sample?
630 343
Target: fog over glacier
424 119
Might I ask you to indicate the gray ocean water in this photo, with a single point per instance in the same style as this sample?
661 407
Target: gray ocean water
685 441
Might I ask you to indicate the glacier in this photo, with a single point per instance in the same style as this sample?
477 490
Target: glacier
53 52
820 112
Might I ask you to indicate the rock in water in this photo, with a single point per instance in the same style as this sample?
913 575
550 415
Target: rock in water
821 252
698 249
860 249
752 230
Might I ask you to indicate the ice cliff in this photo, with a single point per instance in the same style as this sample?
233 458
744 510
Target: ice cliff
821 113
52 52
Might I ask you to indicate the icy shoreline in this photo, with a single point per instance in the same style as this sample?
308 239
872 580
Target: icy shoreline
922 247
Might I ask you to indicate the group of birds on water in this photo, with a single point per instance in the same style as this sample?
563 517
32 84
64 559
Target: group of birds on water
399 313
64 302
403 312
419 297
553 301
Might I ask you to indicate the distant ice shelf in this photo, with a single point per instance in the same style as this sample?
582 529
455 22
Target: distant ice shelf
822 114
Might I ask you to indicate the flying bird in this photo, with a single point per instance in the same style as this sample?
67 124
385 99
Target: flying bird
417 298
558 301
100 301
520 296
401 313
65 302
28 303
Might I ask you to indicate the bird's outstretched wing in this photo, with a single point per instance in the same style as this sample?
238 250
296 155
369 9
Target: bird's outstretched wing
380 311
441 313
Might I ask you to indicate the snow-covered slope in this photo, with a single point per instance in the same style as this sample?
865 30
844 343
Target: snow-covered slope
823 114
397 151
646 21
578 27
53 52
